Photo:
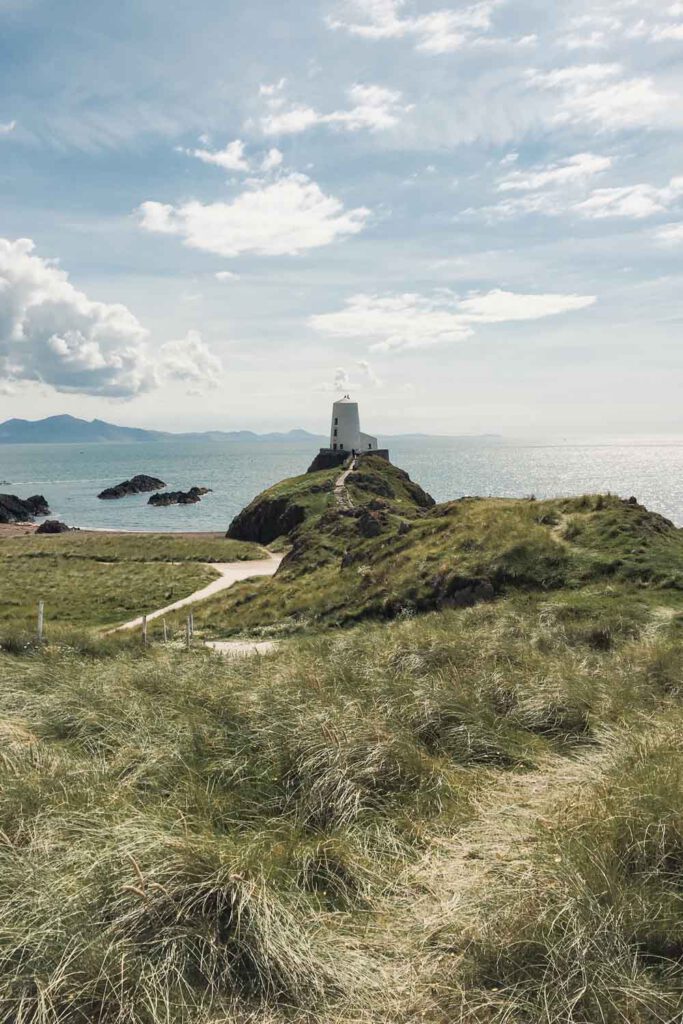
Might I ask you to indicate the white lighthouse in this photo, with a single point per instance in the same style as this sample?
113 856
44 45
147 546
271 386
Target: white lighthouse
345 432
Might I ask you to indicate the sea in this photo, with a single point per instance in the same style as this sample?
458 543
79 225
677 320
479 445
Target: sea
71 475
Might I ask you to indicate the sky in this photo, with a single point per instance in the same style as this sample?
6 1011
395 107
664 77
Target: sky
221 215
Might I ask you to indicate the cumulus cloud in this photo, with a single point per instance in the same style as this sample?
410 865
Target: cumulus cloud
192 361
599 94
372 107
271 160
368 374
409 320
51 332
231 158
440 31
7 127
287 216
226 275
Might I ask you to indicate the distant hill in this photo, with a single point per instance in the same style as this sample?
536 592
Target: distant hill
71 430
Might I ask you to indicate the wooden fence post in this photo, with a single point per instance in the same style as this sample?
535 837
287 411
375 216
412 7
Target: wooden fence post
144 630
188 633
165 632
41 619
192 625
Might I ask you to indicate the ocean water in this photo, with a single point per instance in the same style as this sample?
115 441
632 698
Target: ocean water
70 476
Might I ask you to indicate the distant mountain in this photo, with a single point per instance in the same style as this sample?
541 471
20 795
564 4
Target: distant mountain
70 430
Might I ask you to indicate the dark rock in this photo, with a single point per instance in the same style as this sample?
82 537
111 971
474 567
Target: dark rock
327 460
53 526
370 524
136 485
19 510
190 497
266 519
455 591
38 505
403 528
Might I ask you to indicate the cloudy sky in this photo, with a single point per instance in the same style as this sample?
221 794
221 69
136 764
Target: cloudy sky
218 214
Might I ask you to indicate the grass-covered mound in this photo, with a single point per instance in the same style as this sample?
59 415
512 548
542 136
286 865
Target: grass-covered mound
473 815
393 553
100 579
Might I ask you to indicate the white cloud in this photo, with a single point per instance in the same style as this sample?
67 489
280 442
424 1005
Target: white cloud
373 107
599 94
440 31
7 127
191 360
409 320
634 201
569 171
231 158
226 275
271 160
551 192
670 234
369 375
50 332
287 216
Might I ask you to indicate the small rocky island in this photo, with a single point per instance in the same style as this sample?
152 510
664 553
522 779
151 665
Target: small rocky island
190 497
22 510
136 485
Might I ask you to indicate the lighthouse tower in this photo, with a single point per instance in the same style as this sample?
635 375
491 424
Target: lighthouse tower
346 438
345 432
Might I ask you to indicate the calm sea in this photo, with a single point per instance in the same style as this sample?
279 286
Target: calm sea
70 476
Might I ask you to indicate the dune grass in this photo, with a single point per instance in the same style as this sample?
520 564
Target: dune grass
130 547
188 838
89 592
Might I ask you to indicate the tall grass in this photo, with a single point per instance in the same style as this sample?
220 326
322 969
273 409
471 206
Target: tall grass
187 838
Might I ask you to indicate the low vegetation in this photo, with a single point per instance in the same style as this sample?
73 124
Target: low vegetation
470 815
465 806
101 579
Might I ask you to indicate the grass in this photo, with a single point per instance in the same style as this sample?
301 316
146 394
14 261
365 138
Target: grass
101 579
415 560
89 592
131 547
275 839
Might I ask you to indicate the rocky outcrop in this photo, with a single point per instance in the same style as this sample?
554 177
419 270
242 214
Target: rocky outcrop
265 519
190 497
22 510
136 485
327 459
53 526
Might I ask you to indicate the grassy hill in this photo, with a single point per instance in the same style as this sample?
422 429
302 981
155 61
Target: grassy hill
395 553
464 806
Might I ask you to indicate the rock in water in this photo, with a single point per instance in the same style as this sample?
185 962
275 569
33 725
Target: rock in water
190 497
53 526
19 510
136 485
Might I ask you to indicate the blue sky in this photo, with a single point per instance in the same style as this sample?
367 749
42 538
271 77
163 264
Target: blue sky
219 214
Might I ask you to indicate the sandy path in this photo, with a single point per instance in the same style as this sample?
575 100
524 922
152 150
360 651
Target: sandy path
229 573
241 648
340 493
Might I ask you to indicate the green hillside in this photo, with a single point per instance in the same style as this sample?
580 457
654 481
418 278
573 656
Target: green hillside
463 804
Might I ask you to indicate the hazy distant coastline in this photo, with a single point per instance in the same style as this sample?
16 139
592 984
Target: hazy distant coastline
71 430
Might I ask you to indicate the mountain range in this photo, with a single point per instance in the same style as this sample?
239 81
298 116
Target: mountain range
71 430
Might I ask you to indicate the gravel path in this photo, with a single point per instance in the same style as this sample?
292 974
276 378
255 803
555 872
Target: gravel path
229 573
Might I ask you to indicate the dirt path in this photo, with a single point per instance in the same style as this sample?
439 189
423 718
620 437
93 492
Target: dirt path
341 495
229 573
449 883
